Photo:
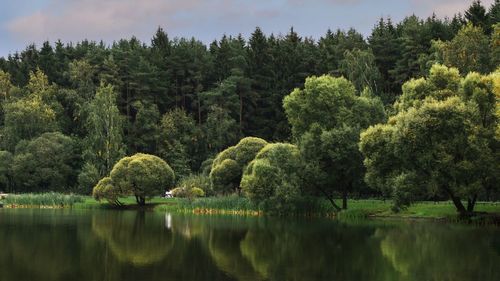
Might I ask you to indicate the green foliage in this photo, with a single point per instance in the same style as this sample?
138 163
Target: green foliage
6 159
273 179
50 199
144 132
228 166
103 144
495 45
223 204
188 192
106 189
221 129
440 142
359 67
27 118
327 117
87 178
199 181
468 51
180 140
141 175
48 162
5 86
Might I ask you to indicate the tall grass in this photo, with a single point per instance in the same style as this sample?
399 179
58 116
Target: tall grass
212 205
50 199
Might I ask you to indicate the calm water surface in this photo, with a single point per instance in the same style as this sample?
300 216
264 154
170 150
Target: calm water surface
120 246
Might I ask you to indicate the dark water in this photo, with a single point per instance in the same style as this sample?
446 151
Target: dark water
110 245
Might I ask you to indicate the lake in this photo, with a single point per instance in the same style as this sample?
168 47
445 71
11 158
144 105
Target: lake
128 245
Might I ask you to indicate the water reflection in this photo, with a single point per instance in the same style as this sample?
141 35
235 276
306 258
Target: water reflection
131 238
112 245
450 252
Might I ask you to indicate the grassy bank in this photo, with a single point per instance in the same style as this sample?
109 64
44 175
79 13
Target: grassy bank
364 208
235 205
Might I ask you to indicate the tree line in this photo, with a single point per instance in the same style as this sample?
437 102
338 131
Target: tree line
70 111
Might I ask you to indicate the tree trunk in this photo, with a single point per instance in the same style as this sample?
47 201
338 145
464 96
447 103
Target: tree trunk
471 202
458 204
335 206
344 199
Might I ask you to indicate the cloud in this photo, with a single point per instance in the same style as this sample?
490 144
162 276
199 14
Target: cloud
99 19
444 8
74 20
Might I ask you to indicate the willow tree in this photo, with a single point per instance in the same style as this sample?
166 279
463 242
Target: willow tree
327 117
440 142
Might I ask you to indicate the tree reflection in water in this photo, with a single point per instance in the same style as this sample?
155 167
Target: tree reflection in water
114 245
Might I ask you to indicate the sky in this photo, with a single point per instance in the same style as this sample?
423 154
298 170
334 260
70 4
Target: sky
33 21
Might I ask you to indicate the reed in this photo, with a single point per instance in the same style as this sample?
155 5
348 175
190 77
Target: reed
50 199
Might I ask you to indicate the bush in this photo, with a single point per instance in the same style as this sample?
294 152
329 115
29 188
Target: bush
228 166
88 178
105 189
206 166
272 179
188 192
199 181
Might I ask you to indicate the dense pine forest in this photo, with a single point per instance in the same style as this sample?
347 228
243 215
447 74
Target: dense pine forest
70 111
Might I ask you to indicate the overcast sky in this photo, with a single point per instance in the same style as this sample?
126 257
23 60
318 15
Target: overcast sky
34 21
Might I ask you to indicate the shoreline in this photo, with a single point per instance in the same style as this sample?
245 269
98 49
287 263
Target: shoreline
316 207
482 218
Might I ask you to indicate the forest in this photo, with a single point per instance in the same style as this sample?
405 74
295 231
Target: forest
409 112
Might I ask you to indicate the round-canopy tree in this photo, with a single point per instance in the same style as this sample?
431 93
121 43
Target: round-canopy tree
228 166
48 162
141 175
272 179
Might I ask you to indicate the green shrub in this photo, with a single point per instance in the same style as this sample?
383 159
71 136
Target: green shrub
206 166
105 189
188 192
199 181
272 179
88 178
228 166
197 192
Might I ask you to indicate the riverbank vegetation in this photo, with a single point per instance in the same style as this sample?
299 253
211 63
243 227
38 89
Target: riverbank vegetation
237 205
271 124
41 200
